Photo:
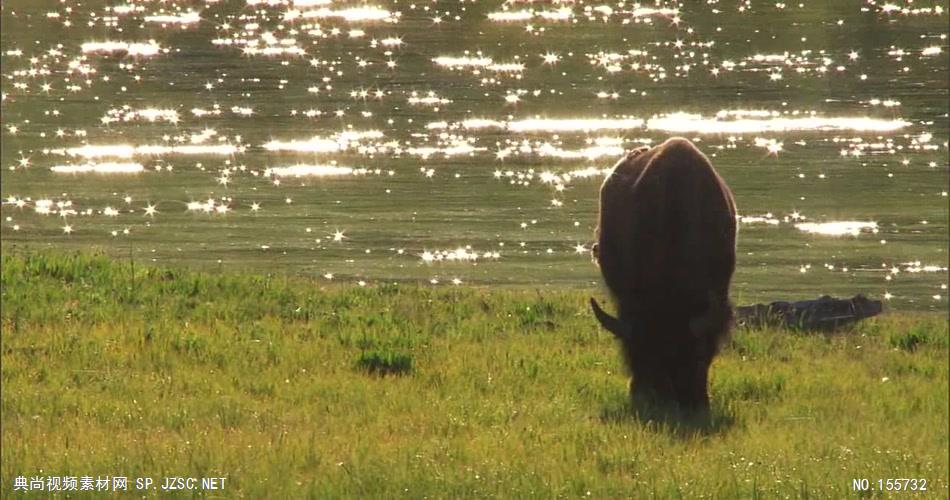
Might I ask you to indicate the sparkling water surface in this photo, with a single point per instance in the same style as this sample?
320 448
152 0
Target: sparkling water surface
454 142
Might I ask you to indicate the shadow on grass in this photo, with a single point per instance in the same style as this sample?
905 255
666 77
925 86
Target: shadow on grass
681 425
385 362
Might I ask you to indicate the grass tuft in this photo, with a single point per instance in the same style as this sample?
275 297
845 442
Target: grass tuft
916 337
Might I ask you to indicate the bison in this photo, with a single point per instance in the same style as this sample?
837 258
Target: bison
666 247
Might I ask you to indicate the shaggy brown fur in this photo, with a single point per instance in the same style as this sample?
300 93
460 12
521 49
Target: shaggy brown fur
667 250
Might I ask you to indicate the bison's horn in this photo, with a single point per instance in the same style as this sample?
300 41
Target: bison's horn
612 324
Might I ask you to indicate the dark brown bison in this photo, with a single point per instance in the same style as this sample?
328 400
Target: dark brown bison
666 246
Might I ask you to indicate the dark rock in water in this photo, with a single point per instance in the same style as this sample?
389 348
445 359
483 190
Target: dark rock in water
824 313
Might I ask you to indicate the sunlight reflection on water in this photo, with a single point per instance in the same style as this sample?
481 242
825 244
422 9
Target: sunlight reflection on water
838 228
455 126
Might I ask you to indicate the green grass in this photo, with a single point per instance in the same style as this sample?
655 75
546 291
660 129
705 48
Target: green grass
293 388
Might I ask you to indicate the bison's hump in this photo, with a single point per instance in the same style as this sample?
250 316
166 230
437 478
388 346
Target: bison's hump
667 226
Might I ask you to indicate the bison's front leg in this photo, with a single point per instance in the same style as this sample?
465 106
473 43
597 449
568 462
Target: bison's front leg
669 364
651 388
653 372
706 332
692 393
678 385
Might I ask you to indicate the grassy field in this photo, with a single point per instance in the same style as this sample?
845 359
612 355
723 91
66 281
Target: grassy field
293 388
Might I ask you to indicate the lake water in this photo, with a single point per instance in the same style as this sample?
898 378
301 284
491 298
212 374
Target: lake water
459 142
